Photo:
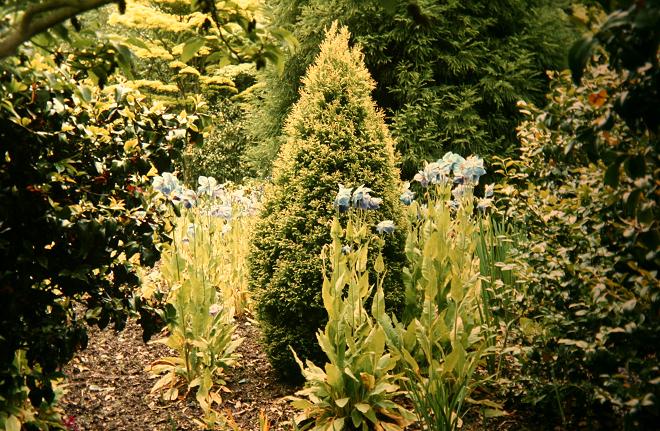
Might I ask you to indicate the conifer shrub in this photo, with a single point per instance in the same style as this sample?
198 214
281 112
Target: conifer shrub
333 135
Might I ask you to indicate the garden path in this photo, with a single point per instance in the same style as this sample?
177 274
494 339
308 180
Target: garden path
108 389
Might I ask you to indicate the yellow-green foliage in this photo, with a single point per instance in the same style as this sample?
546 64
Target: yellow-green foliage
183 48
357 386
444 342
333 135
204 271
202 333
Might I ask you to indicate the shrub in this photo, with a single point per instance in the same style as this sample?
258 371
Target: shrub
222 154
74 223
591 325
333 135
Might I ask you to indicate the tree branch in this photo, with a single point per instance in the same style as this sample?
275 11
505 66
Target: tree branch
42 16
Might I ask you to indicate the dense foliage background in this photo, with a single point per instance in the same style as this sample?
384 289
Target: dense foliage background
75 223
448 73
549 275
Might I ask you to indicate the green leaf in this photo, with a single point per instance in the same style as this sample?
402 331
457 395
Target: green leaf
334 377
12 424
636 166
125 60
341 403
301 404
612 175
579 55
494 413
135 41
338 424
632 201
356 418
190 48
363 407
85 93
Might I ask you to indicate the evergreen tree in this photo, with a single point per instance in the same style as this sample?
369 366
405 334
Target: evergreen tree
333 135
449 73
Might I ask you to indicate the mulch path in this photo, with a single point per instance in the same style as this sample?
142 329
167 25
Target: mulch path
108 388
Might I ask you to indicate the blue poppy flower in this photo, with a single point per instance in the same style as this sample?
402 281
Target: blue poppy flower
386 226
370 203
359 195
459 191
188 198
407 196
207 185
421 178
363 200
433 173
343 198
167 184
471 169
450 162
221 211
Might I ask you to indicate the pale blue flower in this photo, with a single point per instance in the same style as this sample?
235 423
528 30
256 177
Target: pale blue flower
345 249
459 191
484 203
363 200
207 185
188 198
421 178
386 226
450 162
359 195
343 198
221 211
167 184
471 169
407 196
370 203
433 173
489 189
219 192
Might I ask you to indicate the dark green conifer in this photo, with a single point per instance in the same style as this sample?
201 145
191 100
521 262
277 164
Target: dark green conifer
448 73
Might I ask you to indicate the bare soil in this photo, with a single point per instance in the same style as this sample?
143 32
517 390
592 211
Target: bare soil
108 387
